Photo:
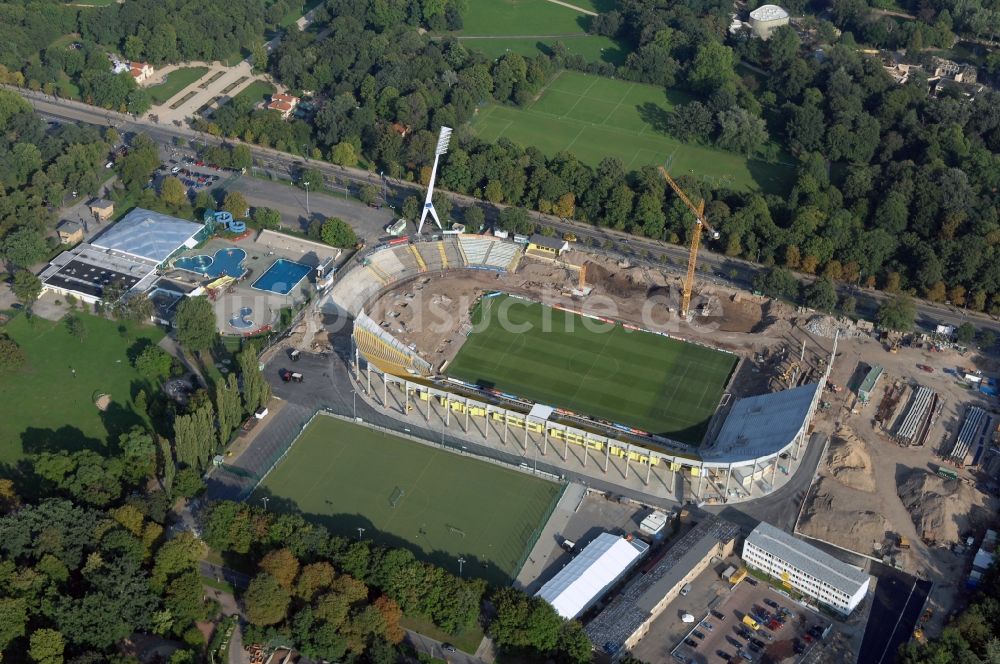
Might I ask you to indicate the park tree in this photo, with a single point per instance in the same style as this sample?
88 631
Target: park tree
515 220
712 67
368 193
240 157
76 327
411 208
136 168
344 154
153 364
173 193
195 437
139 455
236 204
13 618
777 282
282 565
195 323
46 646
474 217
265 218
741 131
821 295
256 390
168 466
897 313
266 601
312 176
27 287
227 407
965 334
23 247
177 555
337 233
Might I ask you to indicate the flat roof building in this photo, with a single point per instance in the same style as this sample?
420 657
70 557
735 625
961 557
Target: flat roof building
805 568
126 255
628 617
868 384
581 583
547 245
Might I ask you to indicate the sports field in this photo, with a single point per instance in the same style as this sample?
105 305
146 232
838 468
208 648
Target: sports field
638 379
595 117
440 505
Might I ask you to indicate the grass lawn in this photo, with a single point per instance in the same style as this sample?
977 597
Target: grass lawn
47 406
466 640
595 117
593 47
93 3
294 14
639 379
256 92
176 81
523 17
346 477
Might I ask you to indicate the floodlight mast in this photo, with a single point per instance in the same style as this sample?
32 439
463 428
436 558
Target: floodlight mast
442 148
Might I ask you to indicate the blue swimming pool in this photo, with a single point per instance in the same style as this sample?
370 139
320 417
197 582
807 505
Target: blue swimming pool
242 320
226 262
281 277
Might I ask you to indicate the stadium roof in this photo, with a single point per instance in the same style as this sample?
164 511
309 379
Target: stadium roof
762 425
768 13
588 576
807 558
148 235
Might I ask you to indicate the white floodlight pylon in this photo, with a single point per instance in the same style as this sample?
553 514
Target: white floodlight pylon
442 148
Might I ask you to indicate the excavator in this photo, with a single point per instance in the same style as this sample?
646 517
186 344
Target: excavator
701 223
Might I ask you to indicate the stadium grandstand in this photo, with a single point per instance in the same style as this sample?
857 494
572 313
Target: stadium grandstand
399 260
385 351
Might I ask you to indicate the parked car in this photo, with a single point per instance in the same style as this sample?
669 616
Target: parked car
448 647
771 603
757 642
724 655
691 642
718 615
751 581
697 634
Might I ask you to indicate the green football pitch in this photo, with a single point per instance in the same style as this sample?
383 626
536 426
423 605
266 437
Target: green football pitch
638 379
440 505
594 117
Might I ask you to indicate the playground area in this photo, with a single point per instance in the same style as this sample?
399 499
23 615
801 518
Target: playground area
251 283
442 506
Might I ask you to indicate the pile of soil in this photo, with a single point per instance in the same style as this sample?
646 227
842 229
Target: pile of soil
841 519
943 509
849 462
628 282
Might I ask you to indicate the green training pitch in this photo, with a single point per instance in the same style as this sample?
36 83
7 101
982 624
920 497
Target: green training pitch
550 356
595 117
49 403
175 81
523 18
592 47
440 505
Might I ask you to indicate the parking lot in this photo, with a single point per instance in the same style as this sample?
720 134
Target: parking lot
785 632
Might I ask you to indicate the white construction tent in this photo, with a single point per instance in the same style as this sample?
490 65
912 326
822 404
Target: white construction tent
581 583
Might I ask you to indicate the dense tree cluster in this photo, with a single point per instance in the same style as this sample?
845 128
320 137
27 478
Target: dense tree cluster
971 636
38 169
333 596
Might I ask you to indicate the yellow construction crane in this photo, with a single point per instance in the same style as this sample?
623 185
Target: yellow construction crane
700 224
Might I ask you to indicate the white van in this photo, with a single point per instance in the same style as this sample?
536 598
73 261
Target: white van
685 590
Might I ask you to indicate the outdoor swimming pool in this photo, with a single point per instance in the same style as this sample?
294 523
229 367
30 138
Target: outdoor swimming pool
281 277
227 262
241 320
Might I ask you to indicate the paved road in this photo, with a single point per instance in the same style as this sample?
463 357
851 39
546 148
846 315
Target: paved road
734 271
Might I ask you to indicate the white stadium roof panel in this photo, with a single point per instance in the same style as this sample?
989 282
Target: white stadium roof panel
580 583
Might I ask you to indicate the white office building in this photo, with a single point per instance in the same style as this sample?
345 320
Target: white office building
805 569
